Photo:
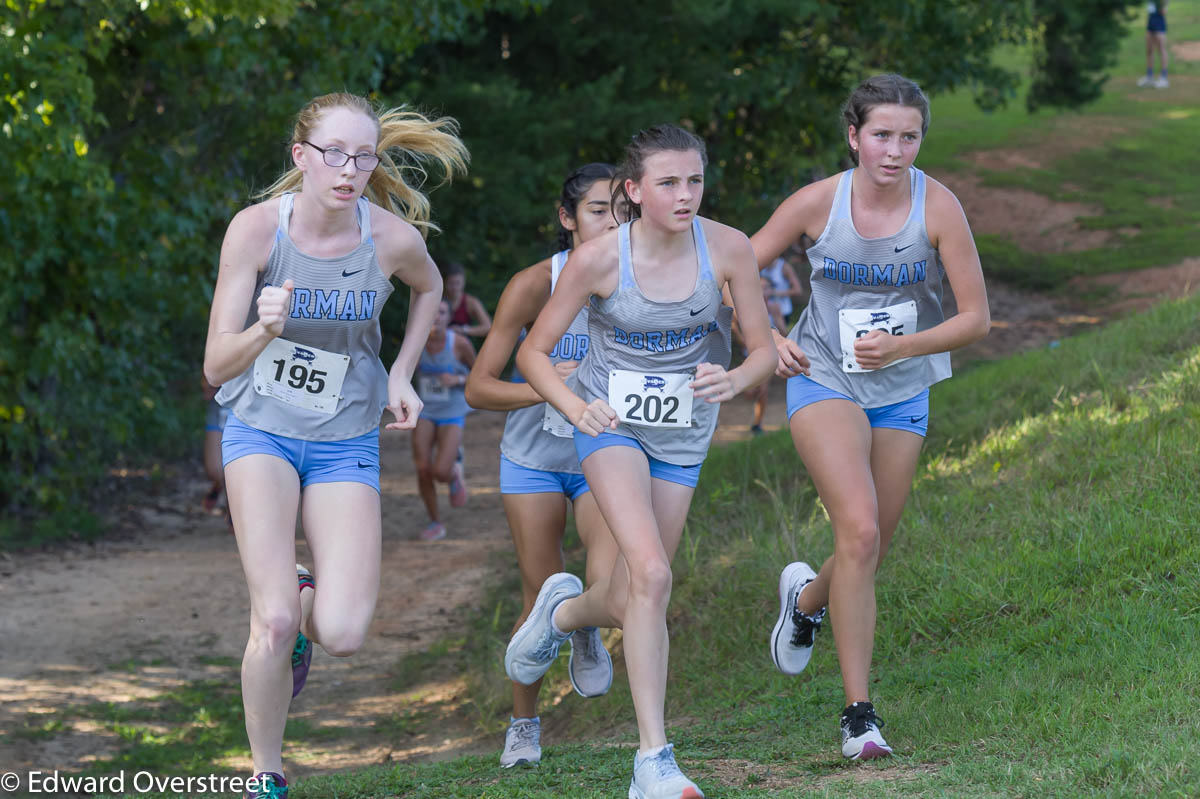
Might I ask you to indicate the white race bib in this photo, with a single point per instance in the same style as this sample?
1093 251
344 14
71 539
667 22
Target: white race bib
651 400
430 387
854 323
556 424
301 375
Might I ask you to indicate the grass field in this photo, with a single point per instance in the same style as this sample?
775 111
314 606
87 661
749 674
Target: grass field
1039 626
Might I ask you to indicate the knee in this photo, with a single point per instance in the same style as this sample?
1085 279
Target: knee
444 475
342 643
424 470
650 582
857 543
275 630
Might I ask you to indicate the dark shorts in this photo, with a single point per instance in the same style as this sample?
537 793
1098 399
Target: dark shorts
1157 23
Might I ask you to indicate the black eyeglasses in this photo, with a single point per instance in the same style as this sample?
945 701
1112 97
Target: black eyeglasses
364 162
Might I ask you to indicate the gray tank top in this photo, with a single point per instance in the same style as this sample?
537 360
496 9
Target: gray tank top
629 331
852 272
441 402
336 304
524 442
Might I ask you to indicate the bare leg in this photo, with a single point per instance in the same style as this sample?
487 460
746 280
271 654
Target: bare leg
645 516
536 522
894 455
343 528
263 494
422 447
594 607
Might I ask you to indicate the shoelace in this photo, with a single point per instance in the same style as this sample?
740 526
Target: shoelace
664 764
804 627
861 721
585 643
524 732
547 647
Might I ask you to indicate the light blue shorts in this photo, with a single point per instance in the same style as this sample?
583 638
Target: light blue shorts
910 414
461 421
518 479
683 475
354 460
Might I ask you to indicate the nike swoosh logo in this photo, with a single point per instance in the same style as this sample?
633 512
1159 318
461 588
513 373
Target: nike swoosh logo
362 465
917 419
898 249
356 271
693 313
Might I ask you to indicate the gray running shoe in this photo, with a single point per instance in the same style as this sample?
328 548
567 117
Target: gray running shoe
535 644
590 666
658 777
792 637
522 743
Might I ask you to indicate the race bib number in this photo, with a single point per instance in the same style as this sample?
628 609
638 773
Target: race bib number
300 375
651 400
854 323
556 424
430 387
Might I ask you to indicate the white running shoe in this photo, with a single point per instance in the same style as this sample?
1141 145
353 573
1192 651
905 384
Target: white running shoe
1161 82
522 743
1144 81
860 733
590 666
658 777
535 645
792 638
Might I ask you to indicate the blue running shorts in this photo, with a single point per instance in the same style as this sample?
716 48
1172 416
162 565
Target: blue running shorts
461 421
911 414
683 475
518 479
354 460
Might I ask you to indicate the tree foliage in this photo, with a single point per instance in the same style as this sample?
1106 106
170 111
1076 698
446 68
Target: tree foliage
132 130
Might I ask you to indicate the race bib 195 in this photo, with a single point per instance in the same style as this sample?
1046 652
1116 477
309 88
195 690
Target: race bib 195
301 375
854 323
651 399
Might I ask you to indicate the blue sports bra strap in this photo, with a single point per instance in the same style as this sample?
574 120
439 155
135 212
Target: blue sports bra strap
626 256
363 208
706 270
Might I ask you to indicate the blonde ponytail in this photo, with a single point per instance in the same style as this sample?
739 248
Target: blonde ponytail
408 141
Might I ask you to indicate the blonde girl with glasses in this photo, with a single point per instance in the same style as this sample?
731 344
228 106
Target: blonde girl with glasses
293 341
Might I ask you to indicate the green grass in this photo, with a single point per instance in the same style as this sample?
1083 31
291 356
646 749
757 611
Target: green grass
1131 155
1039 630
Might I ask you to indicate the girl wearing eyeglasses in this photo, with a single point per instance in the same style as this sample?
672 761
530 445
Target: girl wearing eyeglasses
293 341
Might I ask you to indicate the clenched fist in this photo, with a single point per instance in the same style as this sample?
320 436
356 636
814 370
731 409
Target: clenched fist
274 305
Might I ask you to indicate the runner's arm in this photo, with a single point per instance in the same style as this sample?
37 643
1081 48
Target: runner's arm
231 347
522 300
950 234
